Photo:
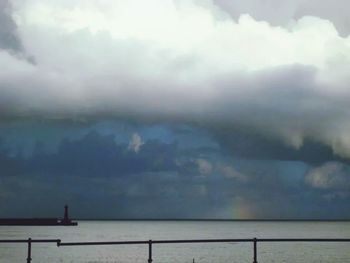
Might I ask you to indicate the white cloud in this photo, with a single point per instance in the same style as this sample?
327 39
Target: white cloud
230 172
172 58
331 175
135 143
204 166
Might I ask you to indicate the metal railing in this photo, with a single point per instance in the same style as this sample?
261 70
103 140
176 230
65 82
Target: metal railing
29 241
150 243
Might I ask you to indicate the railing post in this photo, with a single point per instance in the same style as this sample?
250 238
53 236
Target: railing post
255 250
150 251
29 257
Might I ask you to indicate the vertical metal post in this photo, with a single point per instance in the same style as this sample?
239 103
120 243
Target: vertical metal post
29 257
255 251
150 251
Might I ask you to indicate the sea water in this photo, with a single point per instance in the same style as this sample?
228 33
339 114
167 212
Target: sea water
289 252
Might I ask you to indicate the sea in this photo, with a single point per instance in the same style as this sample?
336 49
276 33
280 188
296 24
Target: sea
230 252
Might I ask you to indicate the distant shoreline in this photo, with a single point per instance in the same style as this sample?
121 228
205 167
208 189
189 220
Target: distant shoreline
36 222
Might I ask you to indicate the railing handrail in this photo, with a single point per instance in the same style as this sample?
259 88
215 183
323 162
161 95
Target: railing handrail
167 241
170 241
173 241
31 240
303 239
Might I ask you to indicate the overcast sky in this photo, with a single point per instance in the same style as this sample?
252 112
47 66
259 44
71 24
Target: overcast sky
175 108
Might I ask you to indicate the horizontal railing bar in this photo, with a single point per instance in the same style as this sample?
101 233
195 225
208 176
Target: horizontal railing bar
207 241
32 240
154 242
102 243
58 241
303 240
203 241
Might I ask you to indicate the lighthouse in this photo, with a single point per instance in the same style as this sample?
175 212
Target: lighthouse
65 220
66 217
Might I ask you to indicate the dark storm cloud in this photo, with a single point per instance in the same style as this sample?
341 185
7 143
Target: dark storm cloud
9 38
9 165
248 144
96 174
288 189
98 155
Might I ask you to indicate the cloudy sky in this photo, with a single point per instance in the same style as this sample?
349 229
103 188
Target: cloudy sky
175 108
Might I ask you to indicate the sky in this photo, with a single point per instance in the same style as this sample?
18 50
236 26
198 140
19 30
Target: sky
175 109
